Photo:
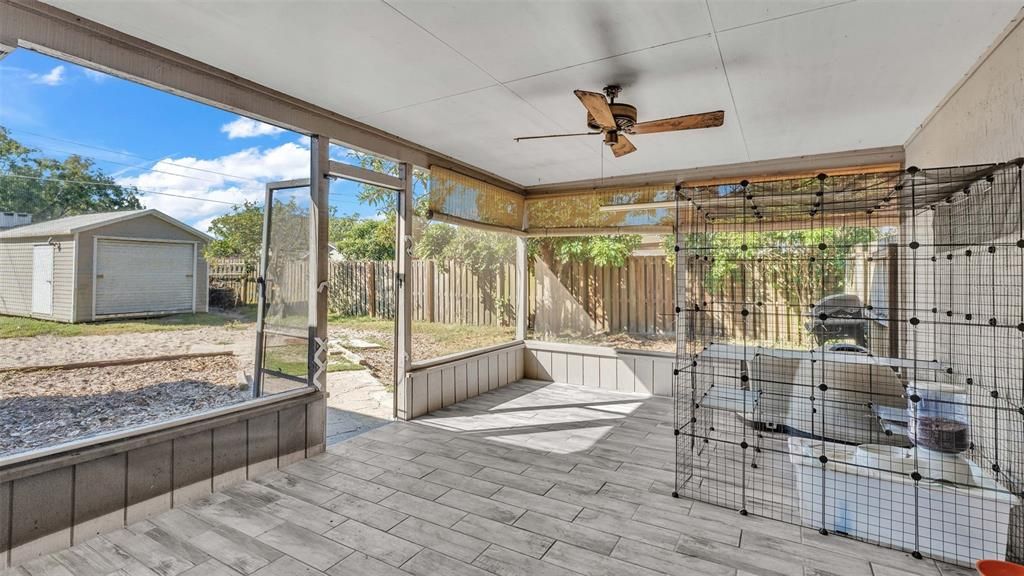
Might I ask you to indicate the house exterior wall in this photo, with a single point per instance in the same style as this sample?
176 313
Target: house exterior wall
16 277
982 121
144 227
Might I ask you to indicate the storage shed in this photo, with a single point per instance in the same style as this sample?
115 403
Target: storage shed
104 265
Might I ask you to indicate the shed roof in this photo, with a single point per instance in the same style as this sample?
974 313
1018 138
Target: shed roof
83 222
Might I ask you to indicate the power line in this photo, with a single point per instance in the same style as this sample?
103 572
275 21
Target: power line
105 160
108 185
119 152
146 192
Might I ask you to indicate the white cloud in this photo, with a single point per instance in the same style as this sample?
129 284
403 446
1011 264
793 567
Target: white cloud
242 127
94 75
231 178
54 77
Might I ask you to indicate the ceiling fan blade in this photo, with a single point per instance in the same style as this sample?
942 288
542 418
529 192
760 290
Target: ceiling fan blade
623 146
555 136
688 122
597 105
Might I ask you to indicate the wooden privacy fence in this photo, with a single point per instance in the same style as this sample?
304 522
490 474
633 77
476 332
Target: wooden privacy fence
233 281
568 299
640 298
583 299
447 292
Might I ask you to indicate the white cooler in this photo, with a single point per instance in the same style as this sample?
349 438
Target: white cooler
870 496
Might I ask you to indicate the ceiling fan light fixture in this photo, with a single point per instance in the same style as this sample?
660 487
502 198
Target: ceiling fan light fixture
617 119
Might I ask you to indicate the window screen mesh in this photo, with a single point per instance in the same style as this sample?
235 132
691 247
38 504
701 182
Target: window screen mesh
582 208
466 198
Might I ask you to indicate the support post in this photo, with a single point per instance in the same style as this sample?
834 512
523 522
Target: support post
522 288
319 211
318 261
403 285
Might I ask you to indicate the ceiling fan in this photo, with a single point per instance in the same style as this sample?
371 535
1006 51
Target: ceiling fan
616 119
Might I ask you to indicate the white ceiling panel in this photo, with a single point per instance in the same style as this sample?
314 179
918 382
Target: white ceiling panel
355 58
800 77
478 127
858 75
727 14
512 39
681 78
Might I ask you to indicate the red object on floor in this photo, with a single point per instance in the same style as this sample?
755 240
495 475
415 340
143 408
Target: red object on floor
998 568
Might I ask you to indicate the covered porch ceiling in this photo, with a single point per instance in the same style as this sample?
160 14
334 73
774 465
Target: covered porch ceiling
464 78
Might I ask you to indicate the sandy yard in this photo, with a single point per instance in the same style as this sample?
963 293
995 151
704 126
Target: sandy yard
46 407
54 350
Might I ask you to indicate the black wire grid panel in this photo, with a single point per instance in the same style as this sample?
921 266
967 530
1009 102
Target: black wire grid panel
850 355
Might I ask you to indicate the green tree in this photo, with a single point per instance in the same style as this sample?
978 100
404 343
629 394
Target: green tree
776 252
49 188
364 238
597 250
239 234
482 251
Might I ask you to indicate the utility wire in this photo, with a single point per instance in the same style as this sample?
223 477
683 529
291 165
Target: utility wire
137 166
119 152
109 185
141 191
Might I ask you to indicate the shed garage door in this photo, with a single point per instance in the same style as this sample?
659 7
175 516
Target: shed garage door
135 277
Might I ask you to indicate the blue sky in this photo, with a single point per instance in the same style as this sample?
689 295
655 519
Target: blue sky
153 140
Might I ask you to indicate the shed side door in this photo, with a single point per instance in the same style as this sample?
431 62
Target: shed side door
144 277
42 280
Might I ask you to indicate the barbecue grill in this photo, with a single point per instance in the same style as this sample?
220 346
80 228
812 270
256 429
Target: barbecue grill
838 316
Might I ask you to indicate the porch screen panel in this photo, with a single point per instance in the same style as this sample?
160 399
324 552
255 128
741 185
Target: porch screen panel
849 356
472 200
582 208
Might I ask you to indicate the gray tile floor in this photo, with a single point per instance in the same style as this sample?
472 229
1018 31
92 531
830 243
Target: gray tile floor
533 479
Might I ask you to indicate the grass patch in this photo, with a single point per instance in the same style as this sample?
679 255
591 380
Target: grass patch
19 327
291 359
430 339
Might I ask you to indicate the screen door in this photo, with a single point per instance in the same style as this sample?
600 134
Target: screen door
284 336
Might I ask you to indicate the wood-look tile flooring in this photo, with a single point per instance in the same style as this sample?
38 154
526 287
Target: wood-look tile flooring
533 479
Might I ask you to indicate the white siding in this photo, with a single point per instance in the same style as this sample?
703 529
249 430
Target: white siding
600 367
16 277
438 386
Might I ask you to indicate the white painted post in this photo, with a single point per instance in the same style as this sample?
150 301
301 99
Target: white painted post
522 288
403 286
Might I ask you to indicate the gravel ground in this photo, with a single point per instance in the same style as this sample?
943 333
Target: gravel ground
47 407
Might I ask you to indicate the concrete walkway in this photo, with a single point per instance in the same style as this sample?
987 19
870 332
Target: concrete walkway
357 402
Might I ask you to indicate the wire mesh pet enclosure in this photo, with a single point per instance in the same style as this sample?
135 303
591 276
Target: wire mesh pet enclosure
897 416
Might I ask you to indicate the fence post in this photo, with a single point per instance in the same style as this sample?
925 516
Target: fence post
428 286
371 287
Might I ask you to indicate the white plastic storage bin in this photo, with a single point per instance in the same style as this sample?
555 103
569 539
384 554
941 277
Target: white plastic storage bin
870 496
